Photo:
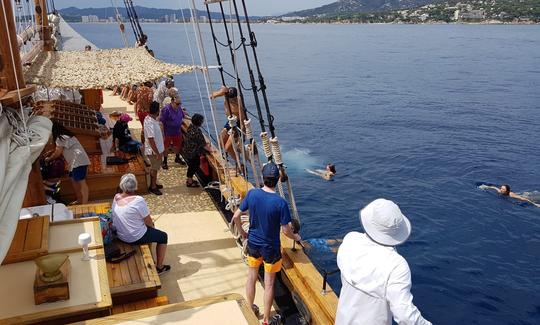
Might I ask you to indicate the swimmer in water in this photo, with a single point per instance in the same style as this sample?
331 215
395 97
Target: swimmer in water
327 174
504 190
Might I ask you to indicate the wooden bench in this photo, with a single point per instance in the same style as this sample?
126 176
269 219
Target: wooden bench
141 304
103 179
82 210
134 278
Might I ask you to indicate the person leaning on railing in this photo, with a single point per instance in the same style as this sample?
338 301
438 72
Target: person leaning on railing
376 280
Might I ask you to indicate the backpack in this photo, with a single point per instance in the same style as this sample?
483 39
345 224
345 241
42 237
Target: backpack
107 228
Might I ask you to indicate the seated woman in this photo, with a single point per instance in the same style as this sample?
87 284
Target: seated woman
504 190
131 218
327 174
122 136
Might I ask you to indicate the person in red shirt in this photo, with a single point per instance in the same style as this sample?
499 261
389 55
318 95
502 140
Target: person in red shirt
145 95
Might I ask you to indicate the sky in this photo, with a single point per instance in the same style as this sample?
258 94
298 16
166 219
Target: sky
255 7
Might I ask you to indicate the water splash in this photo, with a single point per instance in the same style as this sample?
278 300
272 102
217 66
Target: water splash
299 159
532 195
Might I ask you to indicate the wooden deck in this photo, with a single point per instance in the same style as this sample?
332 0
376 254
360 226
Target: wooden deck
140 305
103 179
229 309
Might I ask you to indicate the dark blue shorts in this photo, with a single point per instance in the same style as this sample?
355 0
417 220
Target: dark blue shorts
227 126
152 235
132 146
269 254
78 173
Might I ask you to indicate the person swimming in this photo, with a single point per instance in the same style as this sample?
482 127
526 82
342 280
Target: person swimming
327 173
505 190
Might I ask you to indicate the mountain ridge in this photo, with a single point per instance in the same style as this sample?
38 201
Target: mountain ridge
362 6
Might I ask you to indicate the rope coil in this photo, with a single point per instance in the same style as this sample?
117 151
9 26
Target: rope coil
233 120
249 130
266 145
276 151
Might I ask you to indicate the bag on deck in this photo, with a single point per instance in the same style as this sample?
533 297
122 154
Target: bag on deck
114 160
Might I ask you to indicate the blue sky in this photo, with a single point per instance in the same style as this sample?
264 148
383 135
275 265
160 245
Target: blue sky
255 7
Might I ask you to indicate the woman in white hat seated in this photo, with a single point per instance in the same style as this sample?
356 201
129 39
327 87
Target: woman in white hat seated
376 280
131 218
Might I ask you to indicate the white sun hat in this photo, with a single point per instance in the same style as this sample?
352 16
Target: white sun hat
384 223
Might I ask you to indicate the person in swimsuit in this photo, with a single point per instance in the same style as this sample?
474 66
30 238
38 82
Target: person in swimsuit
504 190
328 173
233 107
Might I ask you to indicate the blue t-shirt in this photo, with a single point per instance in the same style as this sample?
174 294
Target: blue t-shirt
267 213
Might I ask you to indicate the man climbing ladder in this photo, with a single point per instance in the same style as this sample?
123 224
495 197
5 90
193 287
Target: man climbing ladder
268 213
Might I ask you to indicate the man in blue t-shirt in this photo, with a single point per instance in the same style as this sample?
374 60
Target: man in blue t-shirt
268 213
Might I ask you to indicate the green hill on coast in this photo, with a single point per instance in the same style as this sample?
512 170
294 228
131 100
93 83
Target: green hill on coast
421 11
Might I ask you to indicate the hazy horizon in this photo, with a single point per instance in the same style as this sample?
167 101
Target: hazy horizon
255 7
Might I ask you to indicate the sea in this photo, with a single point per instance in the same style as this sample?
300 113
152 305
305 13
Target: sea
419 114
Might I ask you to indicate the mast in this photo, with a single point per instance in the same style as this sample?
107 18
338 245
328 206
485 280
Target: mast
13 89
11 74
42 20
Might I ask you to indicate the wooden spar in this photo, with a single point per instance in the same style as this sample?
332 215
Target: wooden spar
42 20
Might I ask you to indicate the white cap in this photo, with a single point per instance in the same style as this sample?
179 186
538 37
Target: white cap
384 223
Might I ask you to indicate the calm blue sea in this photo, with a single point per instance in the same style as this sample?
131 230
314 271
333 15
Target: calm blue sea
416 114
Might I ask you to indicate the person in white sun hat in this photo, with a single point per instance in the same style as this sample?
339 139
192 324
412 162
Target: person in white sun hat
376 280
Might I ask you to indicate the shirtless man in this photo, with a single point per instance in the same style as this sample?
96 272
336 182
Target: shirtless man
327 174
233 106
504 190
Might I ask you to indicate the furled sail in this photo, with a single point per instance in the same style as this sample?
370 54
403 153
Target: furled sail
20 145
99 69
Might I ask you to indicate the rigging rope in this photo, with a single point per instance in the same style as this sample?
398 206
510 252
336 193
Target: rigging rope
196 73
207 80
253 45
240 101
120 23
131 22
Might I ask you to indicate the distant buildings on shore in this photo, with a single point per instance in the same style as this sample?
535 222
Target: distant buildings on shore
165 19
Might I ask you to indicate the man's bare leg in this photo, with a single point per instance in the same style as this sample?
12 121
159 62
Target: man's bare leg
250 285
269 279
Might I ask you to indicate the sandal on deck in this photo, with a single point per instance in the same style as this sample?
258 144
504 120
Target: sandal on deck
192 184
164 269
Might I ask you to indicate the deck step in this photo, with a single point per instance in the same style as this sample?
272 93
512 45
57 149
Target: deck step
141 304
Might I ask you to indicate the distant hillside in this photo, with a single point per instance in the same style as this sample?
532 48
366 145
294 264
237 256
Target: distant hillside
348 6
430 11
74 14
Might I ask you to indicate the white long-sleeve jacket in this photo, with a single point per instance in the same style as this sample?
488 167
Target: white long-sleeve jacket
376 284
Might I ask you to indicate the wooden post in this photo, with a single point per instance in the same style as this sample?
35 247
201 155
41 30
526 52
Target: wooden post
11 76
42 20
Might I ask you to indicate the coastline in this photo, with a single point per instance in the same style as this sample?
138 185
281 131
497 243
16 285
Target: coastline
337 23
